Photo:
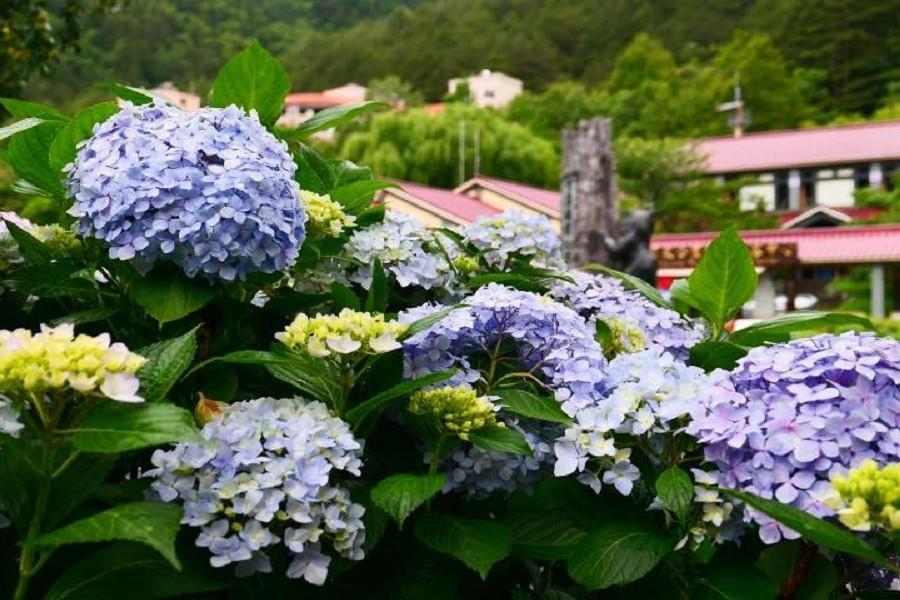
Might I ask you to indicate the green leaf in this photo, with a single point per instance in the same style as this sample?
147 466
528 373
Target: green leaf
166 361
816 530
135 95
676 491
345 171
91 315
377 298
372 407
65 144
111 573
20 126
603 333
500 439
736 581
22 109
617 553
118 427
428 321
513 280
343 297
313 173
333 117
780 328
168 296
778 561
723 280
29 156
253 80
545 535
632 282
152 523
716 355
34 251
399 495
244 357
357 196
524 403
477 543
680 295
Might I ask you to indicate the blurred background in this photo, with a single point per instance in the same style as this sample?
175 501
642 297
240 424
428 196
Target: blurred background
780 116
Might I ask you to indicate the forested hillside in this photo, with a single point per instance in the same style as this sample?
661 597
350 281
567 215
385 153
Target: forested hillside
845 52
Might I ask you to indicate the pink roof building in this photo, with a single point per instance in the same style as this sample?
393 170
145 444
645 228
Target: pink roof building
434 206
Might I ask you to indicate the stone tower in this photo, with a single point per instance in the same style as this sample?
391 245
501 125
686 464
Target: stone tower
590 203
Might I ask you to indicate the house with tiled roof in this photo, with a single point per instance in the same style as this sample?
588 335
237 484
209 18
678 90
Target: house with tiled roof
504 195
433 206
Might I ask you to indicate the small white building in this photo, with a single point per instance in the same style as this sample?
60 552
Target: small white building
169 93
489 88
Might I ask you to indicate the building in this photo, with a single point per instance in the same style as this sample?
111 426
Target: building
798 169
488 88
435 207
301 106
504 195
168 93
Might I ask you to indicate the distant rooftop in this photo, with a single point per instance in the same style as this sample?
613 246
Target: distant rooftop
822 146
458 207
528 194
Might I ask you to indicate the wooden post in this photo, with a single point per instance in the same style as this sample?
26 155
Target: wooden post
589 196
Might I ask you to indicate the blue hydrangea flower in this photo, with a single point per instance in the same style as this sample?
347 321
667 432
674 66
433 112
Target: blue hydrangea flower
551 342
649 393
515 233
790 416
606 298
210 190
266 474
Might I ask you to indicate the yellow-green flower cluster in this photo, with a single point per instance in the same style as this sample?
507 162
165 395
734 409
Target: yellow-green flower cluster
326 217
626 337
465 265
869 496
55 359
459 410
57 238
348 332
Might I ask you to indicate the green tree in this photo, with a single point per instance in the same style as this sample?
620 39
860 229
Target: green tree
417 147
394 91
558 107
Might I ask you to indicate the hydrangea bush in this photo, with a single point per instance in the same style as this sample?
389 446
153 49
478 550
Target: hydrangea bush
231 372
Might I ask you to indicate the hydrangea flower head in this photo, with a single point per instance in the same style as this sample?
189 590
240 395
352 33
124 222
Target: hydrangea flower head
266 474
459 410
403 244
516 233
55 359
210 190
606 298
869 496
349 332
791 416
326 217
549 341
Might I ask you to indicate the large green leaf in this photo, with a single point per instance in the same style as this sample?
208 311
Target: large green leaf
90 315
736 581
477 543
676 491
632 282
34 251
780 328
399 495
253 80
22 109
371 408
29 156
135 95
779 561
500 439
313 173
723 280
525 403
544 535
166 361
816 530
168 296
617 553
357 196
117 427
152 523
333 117
428 321
344 297
377 298
112 573
716 355
20 126
65 145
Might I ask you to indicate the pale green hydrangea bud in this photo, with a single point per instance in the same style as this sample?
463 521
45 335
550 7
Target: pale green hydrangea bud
459 410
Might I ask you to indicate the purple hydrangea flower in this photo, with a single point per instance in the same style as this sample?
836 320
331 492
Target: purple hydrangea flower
606 298
515 233
790 416
265 473
210 190
551 342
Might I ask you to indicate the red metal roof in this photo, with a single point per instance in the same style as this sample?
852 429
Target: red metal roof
845 144
462 208
314 100
824 245
548 199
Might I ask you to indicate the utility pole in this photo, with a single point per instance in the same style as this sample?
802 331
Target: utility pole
476 161
462 152
738 117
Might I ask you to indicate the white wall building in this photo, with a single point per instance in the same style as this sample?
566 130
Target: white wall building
489 88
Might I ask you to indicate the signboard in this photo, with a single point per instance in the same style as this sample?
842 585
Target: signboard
764 255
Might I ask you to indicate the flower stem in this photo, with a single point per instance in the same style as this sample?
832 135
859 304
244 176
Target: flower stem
29 561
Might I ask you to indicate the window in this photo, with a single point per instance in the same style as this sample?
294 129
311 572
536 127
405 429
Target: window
488 93
861 177
782 194
807 188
